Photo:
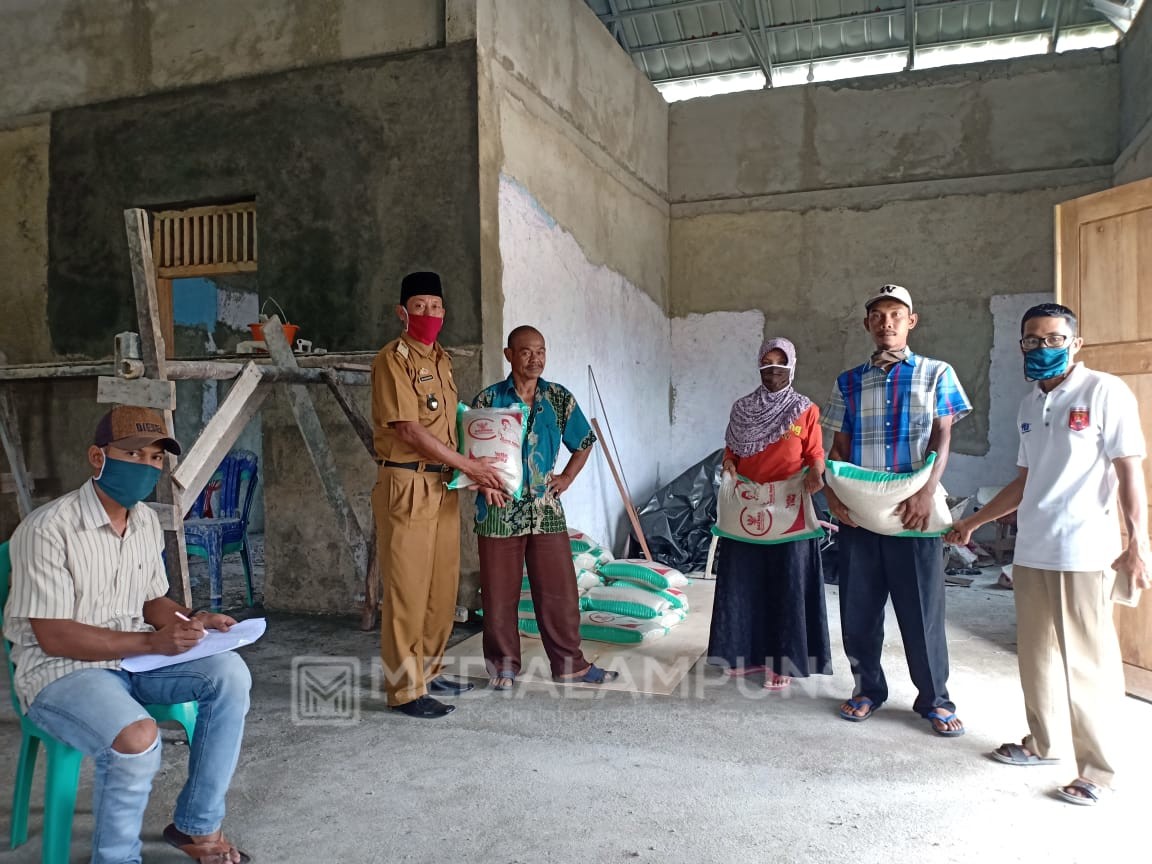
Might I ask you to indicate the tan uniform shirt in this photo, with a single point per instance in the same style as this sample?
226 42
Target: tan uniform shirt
69 563
408 379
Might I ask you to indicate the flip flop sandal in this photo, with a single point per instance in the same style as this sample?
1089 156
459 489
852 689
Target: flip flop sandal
776 686
592 675
944 718
856 703
209 852
510 677
1016 755
1090 798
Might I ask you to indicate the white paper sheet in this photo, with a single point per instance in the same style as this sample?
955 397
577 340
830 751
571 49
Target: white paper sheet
214 642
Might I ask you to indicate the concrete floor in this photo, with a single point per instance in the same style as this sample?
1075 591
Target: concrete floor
722 772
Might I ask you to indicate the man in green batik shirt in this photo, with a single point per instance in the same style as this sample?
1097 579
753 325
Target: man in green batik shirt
532 530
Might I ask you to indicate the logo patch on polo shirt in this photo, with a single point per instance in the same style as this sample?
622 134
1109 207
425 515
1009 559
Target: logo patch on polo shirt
1025 427
1078 419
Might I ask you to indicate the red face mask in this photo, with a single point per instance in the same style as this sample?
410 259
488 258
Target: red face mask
424 328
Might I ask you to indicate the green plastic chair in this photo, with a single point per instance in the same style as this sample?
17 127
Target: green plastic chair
62 771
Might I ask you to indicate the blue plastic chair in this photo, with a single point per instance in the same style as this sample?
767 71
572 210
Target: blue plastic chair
227 530
62 768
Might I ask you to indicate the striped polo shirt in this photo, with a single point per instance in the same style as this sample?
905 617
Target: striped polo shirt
888 415
68 562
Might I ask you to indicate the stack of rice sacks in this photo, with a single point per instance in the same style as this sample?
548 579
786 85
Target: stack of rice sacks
626 601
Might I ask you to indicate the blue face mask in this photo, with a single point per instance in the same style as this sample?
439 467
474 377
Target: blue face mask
126 483
1040 364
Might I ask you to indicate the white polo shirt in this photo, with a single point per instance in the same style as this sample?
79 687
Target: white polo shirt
68 562
1069 516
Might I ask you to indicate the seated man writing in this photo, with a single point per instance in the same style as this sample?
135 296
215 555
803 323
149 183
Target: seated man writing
88 589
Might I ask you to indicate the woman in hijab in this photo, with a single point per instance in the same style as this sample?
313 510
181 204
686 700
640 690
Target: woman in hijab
769 613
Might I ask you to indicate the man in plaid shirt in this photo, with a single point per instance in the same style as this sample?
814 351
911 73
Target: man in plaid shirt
888 415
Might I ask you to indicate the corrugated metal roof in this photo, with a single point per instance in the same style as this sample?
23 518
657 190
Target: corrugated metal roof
683 39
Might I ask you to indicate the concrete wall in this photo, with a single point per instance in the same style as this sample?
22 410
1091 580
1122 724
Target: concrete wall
796 203
24 242
64 53
574 227
1135 160
361 171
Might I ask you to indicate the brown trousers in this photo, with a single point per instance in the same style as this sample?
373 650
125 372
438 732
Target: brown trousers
1070 667
418 539
554 596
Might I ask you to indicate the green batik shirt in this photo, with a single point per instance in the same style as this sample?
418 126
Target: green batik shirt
554 419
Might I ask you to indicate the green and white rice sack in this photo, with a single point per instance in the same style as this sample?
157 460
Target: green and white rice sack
646 574
873 496
626 599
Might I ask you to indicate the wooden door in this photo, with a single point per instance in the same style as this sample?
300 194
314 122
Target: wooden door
1104 274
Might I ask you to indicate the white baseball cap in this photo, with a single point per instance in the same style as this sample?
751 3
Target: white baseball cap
891 292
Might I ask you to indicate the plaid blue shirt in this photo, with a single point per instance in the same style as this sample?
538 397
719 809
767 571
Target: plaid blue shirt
889 415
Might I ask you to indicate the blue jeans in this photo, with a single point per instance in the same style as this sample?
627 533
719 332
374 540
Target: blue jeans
89 708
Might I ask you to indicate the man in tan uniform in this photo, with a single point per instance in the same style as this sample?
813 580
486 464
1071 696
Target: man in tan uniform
417 517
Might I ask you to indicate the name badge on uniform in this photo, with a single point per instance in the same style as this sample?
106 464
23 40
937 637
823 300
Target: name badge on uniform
424 378
1078 419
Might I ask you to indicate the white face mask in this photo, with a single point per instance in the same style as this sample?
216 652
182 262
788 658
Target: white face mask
791 371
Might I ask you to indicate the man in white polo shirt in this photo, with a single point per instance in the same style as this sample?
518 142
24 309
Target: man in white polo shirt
1081 453
88 589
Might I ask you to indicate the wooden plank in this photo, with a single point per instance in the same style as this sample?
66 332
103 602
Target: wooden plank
183 271
155 356
1113 202
370 613
351 410
14 449
631 510
316 442
165 513
212 445
143 392
167 313
1119 358
1138 682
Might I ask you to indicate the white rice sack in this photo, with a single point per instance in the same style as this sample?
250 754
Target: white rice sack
646 574
580 541
673 618
619 629
592 559
764 513
496 433
625 599
587 579
524 608
873 496
677 598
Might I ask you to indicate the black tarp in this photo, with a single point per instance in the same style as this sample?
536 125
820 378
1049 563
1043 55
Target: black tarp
677 521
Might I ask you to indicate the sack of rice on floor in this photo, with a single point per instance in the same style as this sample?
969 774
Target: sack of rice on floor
620 629
677 598
587 554
587 579
626 599
765 513
873 496
646 574
495 433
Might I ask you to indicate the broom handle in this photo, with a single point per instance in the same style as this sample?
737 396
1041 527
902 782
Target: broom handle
632 517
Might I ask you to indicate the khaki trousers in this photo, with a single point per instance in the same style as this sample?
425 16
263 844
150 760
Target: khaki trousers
1070 668
418 538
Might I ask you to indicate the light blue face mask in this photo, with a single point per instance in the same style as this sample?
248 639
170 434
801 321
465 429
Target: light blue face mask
126 483
1043 363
